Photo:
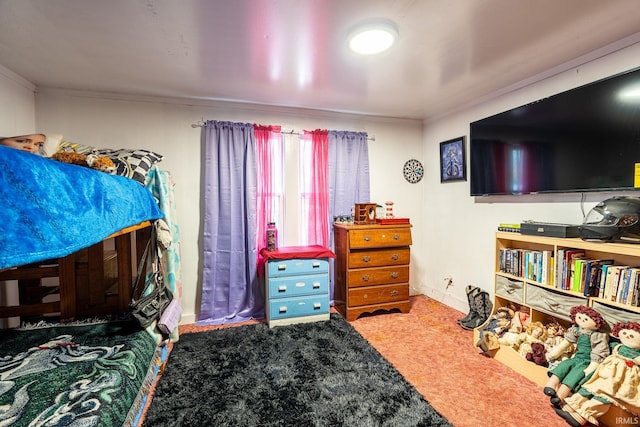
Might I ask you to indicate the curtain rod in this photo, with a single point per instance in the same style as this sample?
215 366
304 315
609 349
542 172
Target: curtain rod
200 124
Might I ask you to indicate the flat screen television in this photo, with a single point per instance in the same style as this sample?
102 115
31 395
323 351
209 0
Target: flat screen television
584 139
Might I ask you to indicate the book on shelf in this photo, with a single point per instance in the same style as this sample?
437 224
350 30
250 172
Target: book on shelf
559 269
612 281
592 281
571 255
509 227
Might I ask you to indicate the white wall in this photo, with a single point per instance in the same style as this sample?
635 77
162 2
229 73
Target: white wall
460 229
17 117
17 104
164 125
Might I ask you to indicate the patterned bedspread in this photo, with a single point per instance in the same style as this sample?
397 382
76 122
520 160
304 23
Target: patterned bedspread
89 375
52 209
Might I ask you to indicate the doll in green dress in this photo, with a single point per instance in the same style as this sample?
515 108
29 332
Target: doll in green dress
592 346
616 381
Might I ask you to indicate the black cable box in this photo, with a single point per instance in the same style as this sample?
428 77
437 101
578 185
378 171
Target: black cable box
549 229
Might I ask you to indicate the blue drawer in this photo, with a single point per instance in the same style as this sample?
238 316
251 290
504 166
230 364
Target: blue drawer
298 306
297 266
281 287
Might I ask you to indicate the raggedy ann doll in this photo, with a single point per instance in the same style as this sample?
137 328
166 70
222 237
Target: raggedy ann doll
615 381
592 346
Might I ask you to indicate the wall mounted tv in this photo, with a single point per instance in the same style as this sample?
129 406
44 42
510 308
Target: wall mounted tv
584 139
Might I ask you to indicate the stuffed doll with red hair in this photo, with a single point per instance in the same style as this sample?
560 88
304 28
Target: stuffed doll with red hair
592 346
616 381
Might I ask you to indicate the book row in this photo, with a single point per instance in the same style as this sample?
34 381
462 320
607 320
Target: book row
537 266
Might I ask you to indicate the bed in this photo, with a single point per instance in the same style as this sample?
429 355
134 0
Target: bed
70 241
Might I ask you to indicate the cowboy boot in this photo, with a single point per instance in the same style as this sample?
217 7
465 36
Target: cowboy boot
483 309
471 291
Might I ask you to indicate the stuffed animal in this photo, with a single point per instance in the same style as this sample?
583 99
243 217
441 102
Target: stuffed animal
533 332
519 321
592 346
101 163
555 335
614 381
498 324
538 354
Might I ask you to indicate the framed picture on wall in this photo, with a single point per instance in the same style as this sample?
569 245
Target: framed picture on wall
453 164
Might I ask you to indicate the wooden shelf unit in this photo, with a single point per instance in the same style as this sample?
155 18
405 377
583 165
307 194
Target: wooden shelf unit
545 302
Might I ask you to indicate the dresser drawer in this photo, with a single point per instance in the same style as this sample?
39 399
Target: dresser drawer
379 257
378 276
298 306
378 294
379 237
296 266
551 302
287 286
510 289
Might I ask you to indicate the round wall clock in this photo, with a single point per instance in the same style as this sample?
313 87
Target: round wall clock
413 171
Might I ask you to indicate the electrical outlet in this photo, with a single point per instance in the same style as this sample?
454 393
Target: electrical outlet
449 282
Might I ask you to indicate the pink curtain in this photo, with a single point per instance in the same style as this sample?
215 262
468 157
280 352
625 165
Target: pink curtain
266 185
317 188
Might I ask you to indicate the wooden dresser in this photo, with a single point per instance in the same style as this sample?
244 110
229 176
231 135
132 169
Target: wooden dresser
371 268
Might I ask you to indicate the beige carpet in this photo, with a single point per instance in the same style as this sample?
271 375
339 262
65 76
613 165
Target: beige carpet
438 357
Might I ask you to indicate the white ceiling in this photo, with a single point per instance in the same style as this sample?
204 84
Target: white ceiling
450 53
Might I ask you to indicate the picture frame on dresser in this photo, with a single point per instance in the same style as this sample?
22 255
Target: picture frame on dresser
453 162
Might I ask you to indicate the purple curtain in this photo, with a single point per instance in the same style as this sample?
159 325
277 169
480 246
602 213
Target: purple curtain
348 175
230 287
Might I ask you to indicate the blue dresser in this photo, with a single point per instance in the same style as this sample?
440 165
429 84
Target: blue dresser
297 285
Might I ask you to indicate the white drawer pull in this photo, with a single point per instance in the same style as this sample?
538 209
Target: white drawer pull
282 288
283 309
282 267
316 285
317 306
367 238
300 284
316 265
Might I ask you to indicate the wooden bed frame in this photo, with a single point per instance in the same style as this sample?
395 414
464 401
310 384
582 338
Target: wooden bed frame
91 282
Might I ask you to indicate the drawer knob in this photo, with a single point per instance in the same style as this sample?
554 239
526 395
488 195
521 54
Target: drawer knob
317 306
316 265
394 293
300 284
282 267
283 309
396 237
394 274
366 258
365 277
282 288
395 257
316 285
367 238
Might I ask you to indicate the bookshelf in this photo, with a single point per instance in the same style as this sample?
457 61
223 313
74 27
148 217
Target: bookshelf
549 285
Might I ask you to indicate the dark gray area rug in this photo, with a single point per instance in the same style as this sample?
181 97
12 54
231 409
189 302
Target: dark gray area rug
313 374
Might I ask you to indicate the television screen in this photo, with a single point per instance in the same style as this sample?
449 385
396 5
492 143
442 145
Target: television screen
585 139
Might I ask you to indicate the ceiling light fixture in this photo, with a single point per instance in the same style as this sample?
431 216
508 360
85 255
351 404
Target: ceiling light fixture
372 37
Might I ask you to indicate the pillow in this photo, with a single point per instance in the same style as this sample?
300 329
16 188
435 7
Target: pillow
134 164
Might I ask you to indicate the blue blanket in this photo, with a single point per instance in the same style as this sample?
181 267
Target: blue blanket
51 209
